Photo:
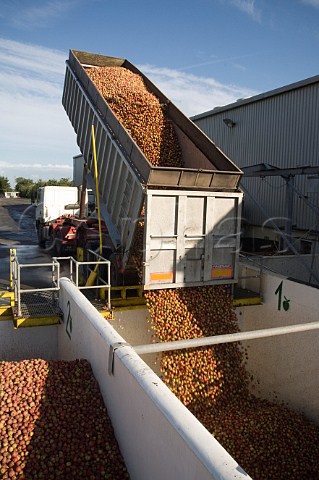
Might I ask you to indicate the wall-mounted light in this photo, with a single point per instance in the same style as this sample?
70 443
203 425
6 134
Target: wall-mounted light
230 123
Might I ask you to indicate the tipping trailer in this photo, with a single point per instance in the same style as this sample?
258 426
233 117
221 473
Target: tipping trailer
192 214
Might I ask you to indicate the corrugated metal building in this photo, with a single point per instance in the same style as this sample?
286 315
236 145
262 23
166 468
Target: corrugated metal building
278 128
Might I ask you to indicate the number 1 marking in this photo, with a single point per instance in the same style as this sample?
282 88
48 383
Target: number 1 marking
279 292
285 303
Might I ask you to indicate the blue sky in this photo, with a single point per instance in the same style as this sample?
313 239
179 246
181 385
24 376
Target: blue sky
201 54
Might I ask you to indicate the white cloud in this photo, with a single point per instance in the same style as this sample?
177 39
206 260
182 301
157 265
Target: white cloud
35 133
37 166
36 136
214 59
248 7
191 93
312 3
31 58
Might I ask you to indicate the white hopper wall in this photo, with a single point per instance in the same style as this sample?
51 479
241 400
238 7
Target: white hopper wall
18 344
159 438
287 365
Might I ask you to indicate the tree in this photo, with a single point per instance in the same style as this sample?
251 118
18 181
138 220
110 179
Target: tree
27 188
24 186
4 185
65 182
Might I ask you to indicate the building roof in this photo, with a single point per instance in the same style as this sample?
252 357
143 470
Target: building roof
257 98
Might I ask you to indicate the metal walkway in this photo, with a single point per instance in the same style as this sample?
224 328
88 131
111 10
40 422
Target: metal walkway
37 308
29 307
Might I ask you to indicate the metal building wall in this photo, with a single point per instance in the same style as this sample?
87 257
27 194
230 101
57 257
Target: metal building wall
279 128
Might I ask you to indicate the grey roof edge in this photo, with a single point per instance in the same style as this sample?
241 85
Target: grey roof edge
258 97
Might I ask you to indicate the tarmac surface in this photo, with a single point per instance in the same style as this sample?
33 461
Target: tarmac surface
17 222
18 231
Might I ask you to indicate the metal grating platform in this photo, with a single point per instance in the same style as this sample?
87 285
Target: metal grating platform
38 308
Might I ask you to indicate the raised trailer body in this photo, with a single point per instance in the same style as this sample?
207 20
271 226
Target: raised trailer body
127 181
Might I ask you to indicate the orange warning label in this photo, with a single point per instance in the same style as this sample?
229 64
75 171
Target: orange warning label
222 271
161 277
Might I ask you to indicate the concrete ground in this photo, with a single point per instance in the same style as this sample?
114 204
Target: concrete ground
17 230
17 222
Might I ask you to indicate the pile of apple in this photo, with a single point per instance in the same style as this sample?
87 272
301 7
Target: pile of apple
54 425
269 440
140 112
